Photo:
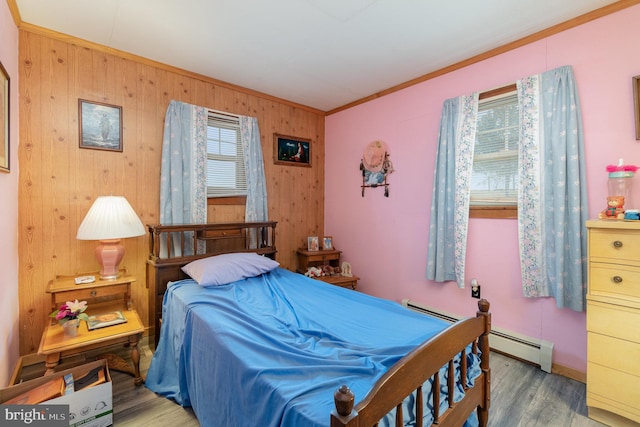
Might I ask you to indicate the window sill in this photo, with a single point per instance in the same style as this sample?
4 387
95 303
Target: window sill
233 200
497 212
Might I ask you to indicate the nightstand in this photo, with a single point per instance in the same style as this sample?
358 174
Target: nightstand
319 258
102 296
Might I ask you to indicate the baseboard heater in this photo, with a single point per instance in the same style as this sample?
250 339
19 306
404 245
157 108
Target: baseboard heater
532 350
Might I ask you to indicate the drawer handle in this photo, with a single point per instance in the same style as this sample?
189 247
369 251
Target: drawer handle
617 279
94 293
617 244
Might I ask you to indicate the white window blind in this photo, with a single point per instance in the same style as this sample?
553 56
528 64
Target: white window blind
494 181
225 164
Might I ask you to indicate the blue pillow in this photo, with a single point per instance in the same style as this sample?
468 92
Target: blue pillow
226 268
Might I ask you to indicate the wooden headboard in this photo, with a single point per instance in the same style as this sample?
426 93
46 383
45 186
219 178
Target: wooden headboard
164 263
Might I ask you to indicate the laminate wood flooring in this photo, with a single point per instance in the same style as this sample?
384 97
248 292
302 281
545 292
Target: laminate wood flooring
522 395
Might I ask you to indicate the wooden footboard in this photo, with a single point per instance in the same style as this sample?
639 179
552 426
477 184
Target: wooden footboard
419 366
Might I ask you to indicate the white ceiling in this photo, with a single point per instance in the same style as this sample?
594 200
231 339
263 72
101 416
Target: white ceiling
319 53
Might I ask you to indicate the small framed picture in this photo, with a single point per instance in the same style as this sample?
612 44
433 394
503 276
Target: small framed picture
292 151
100 125
327 243
312 243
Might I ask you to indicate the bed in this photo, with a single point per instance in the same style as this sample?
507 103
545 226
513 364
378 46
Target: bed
280 349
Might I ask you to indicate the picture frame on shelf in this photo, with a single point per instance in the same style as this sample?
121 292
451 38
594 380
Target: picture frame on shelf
100 125
291 150
4 113
312 243
327 243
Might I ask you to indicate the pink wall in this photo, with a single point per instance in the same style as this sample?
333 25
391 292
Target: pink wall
9 209
385 239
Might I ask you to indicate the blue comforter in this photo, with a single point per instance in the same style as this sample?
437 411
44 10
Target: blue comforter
272 349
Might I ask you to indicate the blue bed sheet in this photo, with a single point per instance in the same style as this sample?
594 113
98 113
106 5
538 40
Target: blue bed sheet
272 349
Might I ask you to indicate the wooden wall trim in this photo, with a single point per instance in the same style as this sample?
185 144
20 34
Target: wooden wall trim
582 19
15 13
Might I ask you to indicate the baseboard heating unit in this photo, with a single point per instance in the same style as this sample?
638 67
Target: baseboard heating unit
538 352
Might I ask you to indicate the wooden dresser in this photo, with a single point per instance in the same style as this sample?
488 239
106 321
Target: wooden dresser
613 322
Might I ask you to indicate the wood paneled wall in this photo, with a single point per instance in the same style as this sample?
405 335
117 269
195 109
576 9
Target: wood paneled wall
59 181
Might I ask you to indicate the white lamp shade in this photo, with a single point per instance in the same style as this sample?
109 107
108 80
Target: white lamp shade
110 217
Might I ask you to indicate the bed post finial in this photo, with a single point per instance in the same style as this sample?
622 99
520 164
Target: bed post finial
343 399
344 415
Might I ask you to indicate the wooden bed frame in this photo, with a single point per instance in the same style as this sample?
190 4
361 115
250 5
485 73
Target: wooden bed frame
405 377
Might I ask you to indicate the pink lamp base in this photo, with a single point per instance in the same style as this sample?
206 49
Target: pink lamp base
109 253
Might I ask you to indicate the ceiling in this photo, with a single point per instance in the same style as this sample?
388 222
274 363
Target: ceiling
322 54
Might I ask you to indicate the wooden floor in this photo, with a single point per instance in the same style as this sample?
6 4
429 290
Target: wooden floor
522 395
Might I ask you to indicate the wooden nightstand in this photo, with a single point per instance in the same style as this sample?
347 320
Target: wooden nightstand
102 296
330 257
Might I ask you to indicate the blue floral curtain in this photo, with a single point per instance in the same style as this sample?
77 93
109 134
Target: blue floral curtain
552 202
552 198
256 208
451 190
183 180
256 204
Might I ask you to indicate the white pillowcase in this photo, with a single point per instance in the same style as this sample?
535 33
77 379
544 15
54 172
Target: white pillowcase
226 268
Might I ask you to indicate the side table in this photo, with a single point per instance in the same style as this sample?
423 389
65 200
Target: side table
102 296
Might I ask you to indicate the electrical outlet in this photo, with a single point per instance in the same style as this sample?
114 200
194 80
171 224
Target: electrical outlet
475 292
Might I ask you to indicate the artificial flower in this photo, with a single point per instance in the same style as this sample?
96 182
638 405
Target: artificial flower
70 310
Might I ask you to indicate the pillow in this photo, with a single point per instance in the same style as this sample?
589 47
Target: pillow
226 268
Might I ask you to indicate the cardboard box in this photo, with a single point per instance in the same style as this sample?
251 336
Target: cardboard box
89 407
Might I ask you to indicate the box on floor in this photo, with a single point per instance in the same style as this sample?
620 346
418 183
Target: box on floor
89 407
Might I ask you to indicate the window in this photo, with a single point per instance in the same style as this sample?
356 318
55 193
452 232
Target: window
225 164
494 180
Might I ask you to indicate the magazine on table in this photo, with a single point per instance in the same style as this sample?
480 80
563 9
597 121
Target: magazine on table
103 320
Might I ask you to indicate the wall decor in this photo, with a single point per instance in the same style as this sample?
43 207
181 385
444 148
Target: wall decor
100 125
327 243
636 103
312 243
290 150
375 166
4 113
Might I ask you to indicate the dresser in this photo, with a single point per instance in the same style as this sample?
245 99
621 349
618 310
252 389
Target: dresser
613 322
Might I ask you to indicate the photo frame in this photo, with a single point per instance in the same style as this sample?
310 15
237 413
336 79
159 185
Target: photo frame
291 150
312 243
100 125
327 243
4 114
636 103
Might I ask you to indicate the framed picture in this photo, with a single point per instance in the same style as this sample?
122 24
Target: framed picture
4 116
312 243
636 103
289 150
100 125
327 243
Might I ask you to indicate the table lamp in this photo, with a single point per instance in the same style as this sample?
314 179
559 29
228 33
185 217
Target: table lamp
110 219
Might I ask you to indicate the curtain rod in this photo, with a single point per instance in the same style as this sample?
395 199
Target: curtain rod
497 91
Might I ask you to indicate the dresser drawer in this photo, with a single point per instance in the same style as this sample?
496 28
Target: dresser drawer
618 388
89 293
620 354
614 245
613 320
614 280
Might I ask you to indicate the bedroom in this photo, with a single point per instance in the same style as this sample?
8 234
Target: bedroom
367 230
